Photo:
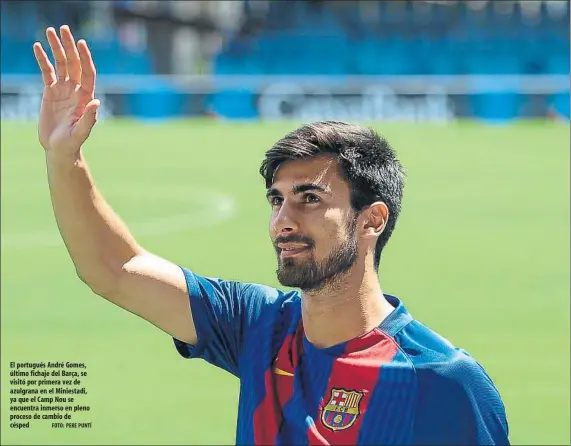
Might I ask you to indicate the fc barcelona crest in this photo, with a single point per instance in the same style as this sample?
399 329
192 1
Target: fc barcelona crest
342 410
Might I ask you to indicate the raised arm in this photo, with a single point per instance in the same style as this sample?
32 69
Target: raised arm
106 256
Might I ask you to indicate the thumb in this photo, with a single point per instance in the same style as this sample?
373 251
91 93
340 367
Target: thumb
87 121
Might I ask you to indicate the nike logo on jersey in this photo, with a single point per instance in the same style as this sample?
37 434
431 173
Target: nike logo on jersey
278 371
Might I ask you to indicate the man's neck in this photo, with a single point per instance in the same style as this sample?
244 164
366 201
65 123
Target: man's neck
347 309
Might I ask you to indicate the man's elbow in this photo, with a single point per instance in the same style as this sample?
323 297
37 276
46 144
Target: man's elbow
101 286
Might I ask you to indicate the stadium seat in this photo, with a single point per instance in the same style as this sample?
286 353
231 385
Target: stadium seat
557 64
161 101
560 105
496 107
234 104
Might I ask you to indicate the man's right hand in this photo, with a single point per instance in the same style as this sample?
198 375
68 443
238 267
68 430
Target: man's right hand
105 254
69 108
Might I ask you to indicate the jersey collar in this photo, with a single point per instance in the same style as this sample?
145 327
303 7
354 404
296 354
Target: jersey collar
398 319
391 325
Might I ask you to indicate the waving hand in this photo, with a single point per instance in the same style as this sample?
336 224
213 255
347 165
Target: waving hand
69 108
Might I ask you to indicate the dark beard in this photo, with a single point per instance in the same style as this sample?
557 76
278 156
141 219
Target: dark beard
308 275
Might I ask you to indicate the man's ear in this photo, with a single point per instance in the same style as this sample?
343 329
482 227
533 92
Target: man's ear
376 217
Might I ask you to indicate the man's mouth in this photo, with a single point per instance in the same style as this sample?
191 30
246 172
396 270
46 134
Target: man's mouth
291 249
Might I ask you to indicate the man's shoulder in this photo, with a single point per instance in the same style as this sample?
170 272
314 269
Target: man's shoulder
275 298
455 393
259 306
272 294
274 314
250 292
439 364
271 305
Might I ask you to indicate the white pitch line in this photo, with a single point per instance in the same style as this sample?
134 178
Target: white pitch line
205 208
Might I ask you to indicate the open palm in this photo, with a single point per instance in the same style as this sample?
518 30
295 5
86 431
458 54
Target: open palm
69 108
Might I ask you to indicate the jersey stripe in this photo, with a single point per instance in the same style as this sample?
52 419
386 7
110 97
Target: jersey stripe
284 369
279 387
353 377
310 383
394 399
287 389
268 415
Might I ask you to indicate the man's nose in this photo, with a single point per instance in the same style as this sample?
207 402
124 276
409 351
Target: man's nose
285 220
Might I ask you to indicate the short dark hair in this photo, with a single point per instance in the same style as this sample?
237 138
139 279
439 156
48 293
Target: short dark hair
366 159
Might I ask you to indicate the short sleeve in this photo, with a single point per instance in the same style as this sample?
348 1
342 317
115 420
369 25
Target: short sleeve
459 405
225 314
483 413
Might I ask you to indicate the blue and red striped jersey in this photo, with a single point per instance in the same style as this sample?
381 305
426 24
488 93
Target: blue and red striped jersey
401 383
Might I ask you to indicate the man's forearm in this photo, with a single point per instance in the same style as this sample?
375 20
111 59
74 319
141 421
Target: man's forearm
97 240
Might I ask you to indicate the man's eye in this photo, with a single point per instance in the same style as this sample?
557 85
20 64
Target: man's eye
276 201
310 198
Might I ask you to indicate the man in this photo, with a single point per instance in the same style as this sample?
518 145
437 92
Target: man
338 363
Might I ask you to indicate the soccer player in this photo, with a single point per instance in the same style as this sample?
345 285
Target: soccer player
337 362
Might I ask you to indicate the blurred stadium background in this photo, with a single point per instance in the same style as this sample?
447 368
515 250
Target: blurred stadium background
473 95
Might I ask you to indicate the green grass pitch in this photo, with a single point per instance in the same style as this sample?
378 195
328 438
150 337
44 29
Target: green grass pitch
480 254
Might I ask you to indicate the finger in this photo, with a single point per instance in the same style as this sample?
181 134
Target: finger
87 68
58 52
48 72
87 121
71 53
